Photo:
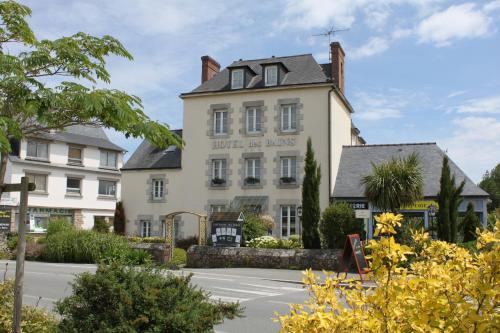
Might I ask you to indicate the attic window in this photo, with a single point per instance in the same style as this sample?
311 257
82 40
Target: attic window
271 76
237 78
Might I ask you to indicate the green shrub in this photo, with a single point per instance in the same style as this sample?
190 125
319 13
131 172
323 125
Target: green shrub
179 257
471 246
12 239
57 226
122 299
34 320
100 225
253 227
139 257
185 243
337 222
404 232
84 246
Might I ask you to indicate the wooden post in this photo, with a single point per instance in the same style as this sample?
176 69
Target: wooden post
21 252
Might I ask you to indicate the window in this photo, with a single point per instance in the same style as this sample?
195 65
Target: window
218 172
288 170
158 189
220 122
74 155
40 180
252 171
271 76
73 185
38 150
253 120
288 118
107 188
217 208
145 228
288 221
108 159
237 78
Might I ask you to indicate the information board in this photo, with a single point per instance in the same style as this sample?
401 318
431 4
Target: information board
226 233
353 249
5 219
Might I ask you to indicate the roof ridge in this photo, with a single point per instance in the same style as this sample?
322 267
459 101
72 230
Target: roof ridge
269 58
391 144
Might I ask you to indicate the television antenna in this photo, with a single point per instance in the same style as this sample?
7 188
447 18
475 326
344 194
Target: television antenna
330 33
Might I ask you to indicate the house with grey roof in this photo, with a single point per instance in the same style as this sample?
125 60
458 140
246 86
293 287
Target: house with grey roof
357 161
245 129
77 176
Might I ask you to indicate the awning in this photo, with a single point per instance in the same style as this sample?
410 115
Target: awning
254 204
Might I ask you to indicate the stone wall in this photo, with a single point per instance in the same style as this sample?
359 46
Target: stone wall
215 257
159 251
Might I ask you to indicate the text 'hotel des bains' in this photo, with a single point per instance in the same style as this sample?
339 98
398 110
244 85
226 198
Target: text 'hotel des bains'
245 130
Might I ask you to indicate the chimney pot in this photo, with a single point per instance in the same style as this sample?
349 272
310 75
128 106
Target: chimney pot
209 67
338 59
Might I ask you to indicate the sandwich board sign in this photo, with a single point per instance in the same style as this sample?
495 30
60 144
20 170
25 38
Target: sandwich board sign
353 249
227 228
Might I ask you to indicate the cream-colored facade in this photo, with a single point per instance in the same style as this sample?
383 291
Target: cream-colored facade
321 113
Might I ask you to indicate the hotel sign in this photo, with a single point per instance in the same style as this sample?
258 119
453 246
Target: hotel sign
254 143
421 205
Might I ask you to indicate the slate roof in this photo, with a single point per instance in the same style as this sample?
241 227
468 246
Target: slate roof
83 135
302 69
147 156
355 163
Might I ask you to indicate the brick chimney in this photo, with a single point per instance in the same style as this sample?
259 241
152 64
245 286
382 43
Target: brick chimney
209 67
337 56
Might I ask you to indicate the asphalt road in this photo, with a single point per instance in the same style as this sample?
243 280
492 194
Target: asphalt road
262 292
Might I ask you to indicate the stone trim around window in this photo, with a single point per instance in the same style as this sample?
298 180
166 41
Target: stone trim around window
242 167
277 214
277 168
213 202
277 115
149 188
210 121
243 118
208 171
137 224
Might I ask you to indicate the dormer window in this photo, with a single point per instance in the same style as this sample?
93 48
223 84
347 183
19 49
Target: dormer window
237 78
271 75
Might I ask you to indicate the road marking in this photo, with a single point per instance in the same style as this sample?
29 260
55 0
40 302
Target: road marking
228 298
274 287
245 291
211 278
279 302
245 276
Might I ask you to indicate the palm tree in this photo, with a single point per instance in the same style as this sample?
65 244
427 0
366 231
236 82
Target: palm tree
394 183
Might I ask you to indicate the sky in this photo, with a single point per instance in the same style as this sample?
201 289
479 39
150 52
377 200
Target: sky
416 70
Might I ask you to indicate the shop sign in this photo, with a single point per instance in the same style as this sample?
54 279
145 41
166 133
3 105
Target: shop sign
8 201
421 205
5 219
358 205
362 213
226 233
50 211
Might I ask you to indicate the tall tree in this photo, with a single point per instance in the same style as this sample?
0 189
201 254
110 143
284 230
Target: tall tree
310 200
449 198
44 85
443 196
491 184
455 201
470 223
394 183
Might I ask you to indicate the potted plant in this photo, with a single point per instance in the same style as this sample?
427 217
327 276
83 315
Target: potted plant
287 180
252 180
218 181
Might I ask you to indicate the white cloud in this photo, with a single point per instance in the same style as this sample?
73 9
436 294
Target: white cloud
474 145
373 106
456 93
492 6
401 33
455 22
480 105
374 46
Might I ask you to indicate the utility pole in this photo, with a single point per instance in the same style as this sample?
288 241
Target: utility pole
24 187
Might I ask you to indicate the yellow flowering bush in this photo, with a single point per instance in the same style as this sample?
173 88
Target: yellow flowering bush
444 289
34 320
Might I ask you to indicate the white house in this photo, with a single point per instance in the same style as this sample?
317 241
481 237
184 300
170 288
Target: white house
246 129
76 173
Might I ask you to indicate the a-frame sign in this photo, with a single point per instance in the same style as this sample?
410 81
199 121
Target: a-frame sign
353 249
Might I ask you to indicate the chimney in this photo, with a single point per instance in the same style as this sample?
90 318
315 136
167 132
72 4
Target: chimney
337 57
209 67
